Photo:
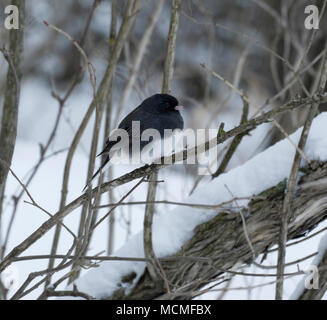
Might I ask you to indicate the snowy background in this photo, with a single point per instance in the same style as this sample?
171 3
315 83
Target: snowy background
49 63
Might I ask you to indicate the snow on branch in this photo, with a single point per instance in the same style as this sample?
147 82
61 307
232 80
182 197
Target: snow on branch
219 236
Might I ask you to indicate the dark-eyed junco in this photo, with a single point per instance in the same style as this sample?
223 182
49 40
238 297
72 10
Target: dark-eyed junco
159 112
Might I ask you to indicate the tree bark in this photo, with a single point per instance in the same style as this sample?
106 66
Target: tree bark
8 129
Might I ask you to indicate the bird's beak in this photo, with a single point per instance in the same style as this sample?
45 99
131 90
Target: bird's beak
178 108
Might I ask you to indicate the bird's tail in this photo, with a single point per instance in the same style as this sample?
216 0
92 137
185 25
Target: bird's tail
101 153
106 160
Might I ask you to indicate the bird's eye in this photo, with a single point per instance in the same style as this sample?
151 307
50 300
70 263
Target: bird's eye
165 105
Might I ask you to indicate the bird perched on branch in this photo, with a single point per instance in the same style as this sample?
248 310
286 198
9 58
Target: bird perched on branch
159 112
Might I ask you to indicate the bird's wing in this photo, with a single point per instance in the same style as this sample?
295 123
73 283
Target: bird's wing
125 124
109 145
104 163
146 120
138 114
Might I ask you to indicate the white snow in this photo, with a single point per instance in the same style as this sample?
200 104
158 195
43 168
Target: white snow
322 247
172 229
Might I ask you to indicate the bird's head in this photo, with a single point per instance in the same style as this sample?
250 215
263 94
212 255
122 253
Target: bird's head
160 103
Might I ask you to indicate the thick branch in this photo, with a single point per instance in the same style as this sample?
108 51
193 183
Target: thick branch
222 238
8 129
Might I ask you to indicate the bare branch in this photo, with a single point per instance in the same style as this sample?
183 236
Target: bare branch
8 125
131 11
287 205
153 177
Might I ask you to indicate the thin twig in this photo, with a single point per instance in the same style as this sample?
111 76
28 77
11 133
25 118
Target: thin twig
131 10
139 56
33 202
234 144
153 177
62 101
287 204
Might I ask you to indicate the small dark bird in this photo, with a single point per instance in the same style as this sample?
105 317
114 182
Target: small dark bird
160 112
